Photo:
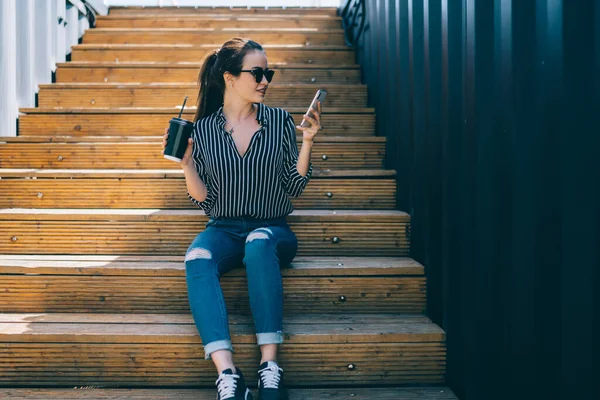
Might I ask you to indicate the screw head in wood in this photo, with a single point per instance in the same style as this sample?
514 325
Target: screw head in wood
310 61
92 101
14 239
59 158
351 367
313 79
329 194
324 157
335 240
342 298
40 195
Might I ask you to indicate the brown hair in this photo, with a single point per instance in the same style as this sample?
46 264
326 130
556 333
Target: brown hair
229 58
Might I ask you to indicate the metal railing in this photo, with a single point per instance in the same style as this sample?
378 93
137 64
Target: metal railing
353 20
34 37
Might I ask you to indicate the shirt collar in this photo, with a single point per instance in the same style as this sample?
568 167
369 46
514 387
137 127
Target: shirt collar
261 116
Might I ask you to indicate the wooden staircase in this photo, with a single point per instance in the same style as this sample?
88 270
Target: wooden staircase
94 224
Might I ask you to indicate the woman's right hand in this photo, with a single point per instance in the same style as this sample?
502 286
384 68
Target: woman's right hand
187 156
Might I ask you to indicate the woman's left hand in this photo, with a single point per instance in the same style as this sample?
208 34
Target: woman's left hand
315 123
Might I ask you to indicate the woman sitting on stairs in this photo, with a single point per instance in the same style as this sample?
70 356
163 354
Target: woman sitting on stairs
245 165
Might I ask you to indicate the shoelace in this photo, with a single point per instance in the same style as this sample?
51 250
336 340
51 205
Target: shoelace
226 385
270 377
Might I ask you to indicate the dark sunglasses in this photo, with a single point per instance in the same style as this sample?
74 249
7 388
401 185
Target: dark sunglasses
259 73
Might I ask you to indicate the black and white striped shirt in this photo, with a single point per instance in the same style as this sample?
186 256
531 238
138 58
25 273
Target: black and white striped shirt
258 184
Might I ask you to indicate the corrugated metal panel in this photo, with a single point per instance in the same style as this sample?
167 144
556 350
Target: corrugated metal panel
492 111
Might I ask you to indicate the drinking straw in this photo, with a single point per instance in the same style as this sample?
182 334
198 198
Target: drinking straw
182 107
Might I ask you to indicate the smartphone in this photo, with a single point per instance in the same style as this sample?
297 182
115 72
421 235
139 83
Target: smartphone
320 96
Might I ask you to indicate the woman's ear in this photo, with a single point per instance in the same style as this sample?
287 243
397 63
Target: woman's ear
228 78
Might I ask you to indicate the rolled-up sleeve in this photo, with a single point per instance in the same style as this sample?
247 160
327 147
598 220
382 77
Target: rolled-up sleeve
209 202
293 182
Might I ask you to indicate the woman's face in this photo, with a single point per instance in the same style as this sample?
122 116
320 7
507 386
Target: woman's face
245 85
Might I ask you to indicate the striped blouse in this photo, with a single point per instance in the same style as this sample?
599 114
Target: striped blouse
258 184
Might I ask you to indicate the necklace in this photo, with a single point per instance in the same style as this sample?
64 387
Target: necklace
238 124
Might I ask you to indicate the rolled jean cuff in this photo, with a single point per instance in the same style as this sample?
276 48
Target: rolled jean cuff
217 345
269 338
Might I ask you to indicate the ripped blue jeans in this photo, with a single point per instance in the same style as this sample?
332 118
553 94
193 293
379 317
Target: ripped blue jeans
263 247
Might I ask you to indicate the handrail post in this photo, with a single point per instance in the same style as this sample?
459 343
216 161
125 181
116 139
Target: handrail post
72 28
8 69
61 9
43 43
54 33
26 82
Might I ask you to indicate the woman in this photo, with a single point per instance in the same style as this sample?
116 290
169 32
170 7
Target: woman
245 165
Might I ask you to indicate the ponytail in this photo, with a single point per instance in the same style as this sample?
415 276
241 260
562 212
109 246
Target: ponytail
229 58
212 88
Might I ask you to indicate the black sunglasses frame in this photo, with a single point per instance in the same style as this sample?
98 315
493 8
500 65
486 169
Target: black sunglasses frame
259 73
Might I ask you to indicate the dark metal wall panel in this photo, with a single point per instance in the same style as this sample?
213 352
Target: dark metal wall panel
491 109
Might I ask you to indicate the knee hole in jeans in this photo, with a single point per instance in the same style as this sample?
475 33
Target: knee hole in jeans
198 253
260 233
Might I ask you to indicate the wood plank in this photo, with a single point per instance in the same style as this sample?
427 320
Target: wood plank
262 35
161 232
402 324
325 154
189 110
152 121
169 173
150 72
29 139
214 21
173 266
311 285
122 294
133 192
161 95
276 12
196 215
195 53
198 64
394 393
88 349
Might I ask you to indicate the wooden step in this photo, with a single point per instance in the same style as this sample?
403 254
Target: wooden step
164 94
216 21
341 55
166 350
276 12
388 393
328 152
131 122
262 35
188 73
166 232
48 188
120 284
